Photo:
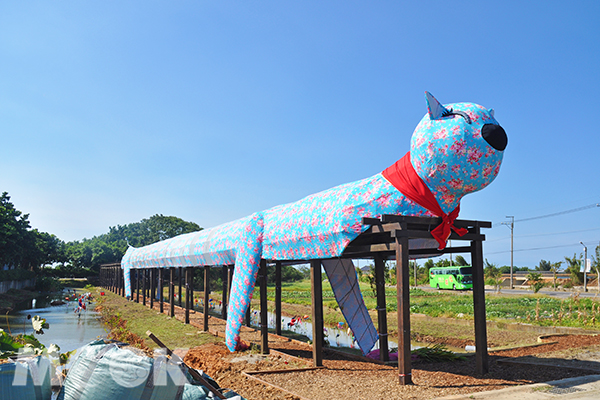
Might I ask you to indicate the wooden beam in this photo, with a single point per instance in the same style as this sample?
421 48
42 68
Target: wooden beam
278 297
264 321
188 289
206 297
317 311
172 292
152 286
144 283
180 279
137 285
413 234
229 281
224 291
381 309
403 288
433 221
479 316
161 285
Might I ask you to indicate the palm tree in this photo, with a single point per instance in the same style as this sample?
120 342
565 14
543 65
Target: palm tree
596 265
460 261
574 268
492 274
555 267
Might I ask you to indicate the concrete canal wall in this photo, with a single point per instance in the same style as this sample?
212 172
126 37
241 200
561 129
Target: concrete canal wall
5 286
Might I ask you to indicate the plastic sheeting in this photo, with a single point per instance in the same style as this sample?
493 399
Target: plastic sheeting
344 282
26 378
106 372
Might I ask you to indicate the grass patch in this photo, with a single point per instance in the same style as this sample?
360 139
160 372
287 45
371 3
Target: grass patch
138 319
75 283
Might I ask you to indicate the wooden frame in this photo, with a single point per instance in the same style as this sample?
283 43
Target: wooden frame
386 238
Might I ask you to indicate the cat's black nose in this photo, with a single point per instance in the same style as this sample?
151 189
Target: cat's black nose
495 136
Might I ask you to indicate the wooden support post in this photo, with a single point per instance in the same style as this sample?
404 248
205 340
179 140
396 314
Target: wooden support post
229 281
161 285
206 296
264 321
137 285
224 295
152 286
172 292
144 284
403 282
317 311
248 313
481 353
278 297
384 352
180 279
188 295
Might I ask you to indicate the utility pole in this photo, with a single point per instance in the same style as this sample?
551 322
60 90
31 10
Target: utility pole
511 226
584 268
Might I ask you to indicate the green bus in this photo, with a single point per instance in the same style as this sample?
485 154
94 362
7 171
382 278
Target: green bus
451 278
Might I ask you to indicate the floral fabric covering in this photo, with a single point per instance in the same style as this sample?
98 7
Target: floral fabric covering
448 153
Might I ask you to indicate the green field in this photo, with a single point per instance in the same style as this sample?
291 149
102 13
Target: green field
536 309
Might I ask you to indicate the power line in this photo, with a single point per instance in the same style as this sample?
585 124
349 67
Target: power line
531 249
541 234
534 248
594 205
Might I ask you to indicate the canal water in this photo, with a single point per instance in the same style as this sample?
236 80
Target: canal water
68 329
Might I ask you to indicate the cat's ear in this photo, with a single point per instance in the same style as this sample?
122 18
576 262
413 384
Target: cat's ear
491 110
435 109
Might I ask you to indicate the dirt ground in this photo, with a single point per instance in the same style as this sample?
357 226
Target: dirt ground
287 372
252 376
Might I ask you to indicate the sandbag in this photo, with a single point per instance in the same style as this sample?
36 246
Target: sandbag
26 378
104 371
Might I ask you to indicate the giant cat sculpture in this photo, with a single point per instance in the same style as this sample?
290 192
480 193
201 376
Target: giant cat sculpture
456 149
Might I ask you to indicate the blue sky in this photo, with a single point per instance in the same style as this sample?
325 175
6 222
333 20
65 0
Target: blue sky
111 112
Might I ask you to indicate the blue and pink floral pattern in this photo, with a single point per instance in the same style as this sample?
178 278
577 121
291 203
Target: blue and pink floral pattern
449 155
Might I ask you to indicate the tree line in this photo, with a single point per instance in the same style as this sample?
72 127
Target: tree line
25 248
26 251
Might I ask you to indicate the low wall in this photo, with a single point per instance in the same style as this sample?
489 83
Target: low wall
7 285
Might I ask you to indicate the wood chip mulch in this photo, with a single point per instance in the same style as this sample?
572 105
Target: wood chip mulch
344 378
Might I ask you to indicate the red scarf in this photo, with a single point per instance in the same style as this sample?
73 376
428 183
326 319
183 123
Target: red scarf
403 177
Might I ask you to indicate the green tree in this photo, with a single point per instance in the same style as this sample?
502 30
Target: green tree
574 268
544 266
460 261
535 281
13 227
110 247
555 268
21 246
492 275
596 265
